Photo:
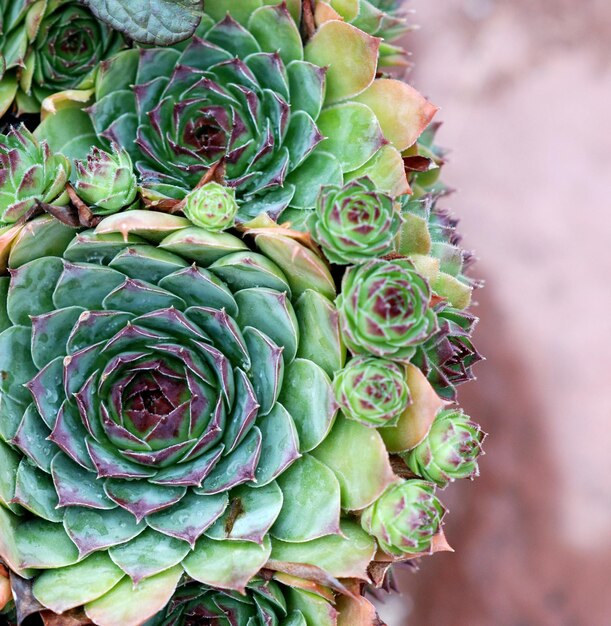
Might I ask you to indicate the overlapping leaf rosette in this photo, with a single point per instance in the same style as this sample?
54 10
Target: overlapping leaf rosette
282 119
46 47
167 409
232 322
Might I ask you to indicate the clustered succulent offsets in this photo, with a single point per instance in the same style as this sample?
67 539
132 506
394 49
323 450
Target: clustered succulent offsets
233 315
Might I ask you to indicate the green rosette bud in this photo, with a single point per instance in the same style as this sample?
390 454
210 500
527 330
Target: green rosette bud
372 391
106 181
212 207
29 171
384 309
355 223
405 518
450 450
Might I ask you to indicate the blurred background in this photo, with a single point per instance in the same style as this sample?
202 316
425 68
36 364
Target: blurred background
525 92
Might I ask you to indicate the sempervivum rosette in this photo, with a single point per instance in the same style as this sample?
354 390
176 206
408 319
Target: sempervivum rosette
281 118
48 47
385 309
355 223
29 171
166 409
230 343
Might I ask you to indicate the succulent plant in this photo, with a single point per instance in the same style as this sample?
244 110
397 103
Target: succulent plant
283 119
355 223
29 171
211 206
372 391
270 284
48 47
448 357
385 309
106 181
450 450
406 518
172 410
265 602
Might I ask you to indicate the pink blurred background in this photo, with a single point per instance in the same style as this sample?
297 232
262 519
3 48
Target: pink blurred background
525 91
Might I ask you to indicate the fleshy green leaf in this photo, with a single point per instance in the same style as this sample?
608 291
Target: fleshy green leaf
250 514
44 545
311 506
346 556
130 606
320 335
226 564
148 554
68 587
363 477
350 54
308 396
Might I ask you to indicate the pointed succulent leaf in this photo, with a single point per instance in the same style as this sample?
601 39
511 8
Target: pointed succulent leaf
363 482
34 491
303 269
321 340
271 313
311 504
343 556
313 608
226 564
308 396
9 462
94 530
43 236
403 113
128 605
280 444
8 541
386 170
188 519
72 586
415 422
154 227
244 270
202 246
353 134
348 75
148 554
45 545
250 514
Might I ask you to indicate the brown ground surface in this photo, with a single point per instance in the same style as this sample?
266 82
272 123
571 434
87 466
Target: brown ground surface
525 91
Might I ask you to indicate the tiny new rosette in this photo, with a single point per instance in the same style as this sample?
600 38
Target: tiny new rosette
372 391
405 518
384 309
212 207
106 181
450 450
29 172
356 222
